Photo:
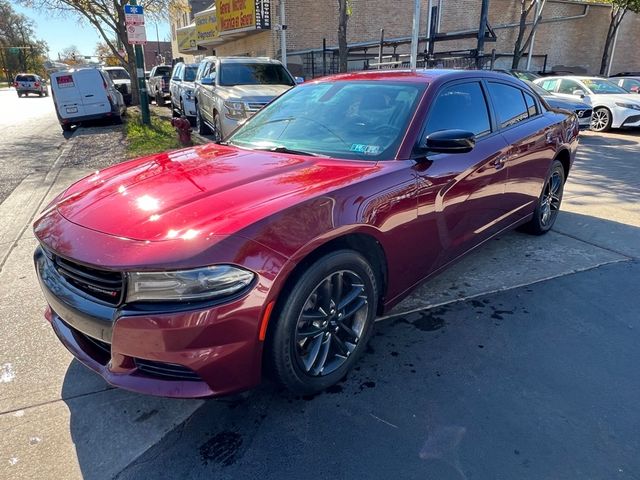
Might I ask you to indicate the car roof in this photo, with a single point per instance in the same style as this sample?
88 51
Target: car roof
113 68
420 75
241 59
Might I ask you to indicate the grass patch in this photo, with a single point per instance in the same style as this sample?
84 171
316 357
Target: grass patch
158 137
4 84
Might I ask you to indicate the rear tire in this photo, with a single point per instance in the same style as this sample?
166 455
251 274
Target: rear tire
549 202
159 100
217 131
322 324
66 128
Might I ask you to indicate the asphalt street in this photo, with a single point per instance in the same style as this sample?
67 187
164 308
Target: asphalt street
519 362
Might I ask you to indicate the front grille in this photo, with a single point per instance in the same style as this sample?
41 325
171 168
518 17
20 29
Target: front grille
255 106
631 119
583 113
166 371
103 285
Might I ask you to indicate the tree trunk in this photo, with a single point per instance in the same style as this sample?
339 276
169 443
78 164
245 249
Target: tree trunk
342 35
616 19
517 48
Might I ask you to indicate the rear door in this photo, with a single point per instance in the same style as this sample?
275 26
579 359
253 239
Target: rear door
462 192
531 140
66 95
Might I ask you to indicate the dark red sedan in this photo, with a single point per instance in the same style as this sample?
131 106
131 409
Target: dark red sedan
190 273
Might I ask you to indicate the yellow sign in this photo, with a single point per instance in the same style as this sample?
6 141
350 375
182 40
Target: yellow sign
236 15
187 39
206 26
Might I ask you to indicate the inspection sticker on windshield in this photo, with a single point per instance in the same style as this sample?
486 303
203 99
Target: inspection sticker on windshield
366 149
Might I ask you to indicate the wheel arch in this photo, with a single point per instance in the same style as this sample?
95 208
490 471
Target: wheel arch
564 157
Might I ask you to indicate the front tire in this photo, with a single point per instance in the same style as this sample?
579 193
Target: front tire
549 202
322 325
217 131
601 120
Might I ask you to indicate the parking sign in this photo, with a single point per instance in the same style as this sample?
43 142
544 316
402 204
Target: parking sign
133 15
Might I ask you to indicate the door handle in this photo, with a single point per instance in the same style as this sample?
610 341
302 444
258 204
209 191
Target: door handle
499 162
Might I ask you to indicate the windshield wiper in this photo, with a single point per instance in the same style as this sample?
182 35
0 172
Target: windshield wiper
283 149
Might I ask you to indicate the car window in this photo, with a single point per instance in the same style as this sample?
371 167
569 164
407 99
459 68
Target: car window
363 120
190 73
119 74
568 86
509 104
549 85
176 72
164 71
254 74
532 107
25 78
631 84
460 106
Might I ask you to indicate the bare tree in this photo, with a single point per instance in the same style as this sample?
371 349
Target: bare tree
344 10
525 31
71 56
107 17
619 9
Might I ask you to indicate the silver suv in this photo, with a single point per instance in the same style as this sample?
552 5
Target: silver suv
231 89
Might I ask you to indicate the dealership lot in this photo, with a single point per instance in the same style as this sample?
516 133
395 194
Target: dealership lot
525 360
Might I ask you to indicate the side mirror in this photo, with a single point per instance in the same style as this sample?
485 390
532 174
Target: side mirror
579 92
208 80
450 141
299 80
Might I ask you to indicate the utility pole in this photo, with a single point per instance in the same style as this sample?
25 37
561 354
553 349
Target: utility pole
283 34
415 34
142 86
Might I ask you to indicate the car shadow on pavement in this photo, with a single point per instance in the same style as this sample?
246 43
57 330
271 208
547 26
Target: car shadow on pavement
535 382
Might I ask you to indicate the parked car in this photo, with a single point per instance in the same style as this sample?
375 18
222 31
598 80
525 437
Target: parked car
85 94
613 107
575 105
158 84
229 90
122 81
629 83
521 74
182 88
188 273
26 83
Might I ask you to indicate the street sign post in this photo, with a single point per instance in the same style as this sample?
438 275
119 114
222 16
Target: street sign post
134 19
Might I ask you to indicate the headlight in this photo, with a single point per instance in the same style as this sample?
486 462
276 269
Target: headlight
632 106
198 284
235 110
188 94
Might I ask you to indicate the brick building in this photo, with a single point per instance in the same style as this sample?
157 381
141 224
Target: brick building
572 33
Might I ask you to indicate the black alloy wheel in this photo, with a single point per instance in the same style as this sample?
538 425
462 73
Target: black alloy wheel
549 202
323 324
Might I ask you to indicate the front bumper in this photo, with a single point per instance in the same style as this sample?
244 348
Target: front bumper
206 351
625 117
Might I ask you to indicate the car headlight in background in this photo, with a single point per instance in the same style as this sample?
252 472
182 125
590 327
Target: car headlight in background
235 110
199 284
632 106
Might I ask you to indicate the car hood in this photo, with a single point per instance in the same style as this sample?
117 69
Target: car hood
206 190
253 93
566 103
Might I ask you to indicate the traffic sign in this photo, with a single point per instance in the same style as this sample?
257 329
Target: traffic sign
133 15
136 34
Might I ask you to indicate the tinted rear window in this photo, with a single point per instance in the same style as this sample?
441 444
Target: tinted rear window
119 74
25 78
254 74
164 71
190 73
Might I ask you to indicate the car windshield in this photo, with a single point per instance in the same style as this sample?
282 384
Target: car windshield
354 120
190 73
254 74
599 86
119 74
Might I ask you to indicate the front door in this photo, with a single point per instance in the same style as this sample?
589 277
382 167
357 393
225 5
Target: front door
460 194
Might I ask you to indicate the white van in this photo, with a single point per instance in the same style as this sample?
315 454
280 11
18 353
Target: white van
85 94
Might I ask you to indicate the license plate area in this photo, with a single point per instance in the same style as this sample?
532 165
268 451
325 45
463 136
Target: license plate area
72 109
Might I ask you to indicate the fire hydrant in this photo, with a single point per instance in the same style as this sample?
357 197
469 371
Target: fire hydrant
183 127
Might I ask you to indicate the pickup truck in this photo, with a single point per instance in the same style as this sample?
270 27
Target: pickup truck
158 84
